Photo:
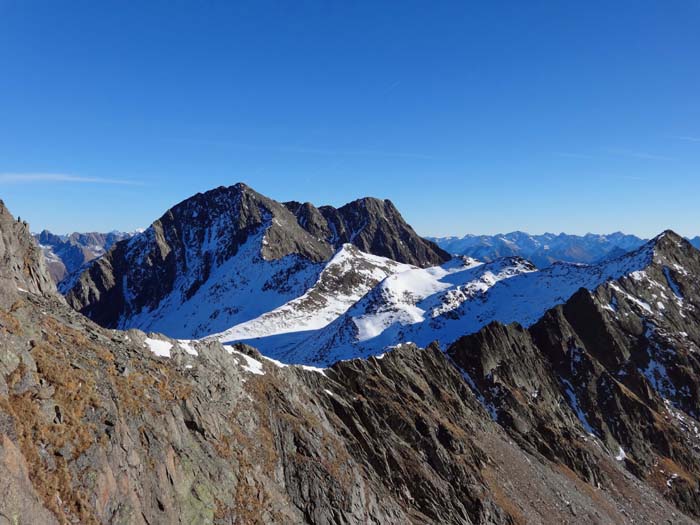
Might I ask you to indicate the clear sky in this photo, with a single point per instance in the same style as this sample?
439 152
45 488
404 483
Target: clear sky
473 117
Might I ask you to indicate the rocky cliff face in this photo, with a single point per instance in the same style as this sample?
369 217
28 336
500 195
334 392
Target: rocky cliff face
104 426
22 266
374 226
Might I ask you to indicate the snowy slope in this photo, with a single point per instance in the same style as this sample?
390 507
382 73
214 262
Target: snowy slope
410 297
348 276
241 288
445 303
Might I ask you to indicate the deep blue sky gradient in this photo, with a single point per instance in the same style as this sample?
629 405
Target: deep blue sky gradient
471 116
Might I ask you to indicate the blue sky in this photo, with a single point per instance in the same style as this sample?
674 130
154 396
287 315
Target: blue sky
473 117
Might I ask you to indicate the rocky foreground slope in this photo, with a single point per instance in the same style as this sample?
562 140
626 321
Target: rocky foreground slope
587 417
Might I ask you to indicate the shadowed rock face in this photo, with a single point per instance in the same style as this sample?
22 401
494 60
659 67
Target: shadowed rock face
374 226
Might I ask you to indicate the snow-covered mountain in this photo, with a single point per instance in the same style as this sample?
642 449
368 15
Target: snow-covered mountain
446 302
230 255
542 250
296 282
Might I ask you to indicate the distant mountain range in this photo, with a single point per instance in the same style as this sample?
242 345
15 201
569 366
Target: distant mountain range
543 250
66 255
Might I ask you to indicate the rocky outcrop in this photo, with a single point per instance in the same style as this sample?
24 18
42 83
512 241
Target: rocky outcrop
374 226
22 266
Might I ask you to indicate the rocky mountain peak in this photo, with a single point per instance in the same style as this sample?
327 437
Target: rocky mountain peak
668 242
22 266
376 226
373 225
46 237
235 212
230 239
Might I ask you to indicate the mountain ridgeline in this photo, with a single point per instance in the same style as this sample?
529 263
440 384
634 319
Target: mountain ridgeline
543 250
569 394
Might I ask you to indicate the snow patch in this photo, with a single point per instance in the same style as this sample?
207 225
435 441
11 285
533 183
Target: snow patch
187 346
621 456
158 347
315 369
573 403
673 285
251 365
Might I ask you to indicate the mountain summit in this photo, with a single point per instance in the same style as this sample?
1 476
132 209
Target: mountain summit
195 270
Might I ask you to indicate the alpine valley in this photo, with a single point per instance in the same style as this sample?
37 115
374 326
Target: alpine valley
244 360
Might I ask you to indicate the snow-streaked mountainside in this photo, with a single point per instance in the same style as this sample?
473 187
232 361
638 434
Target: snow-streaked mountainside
257 297
542 250
230 255
242 287
444 303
